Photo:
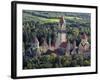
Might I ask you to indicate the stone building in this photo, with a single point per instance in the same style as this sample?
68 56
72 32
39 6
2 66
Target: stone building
84 46
61 33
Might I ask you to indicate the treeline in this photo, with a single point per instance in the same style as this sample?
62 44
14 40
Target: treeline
72 19
53 61
50 14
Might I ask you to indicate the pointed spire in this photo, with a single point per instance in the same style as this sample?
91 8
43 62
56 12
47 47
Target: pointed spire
62 21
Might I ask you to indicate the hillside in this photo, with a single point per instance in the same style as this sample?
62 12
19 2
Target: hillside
72 19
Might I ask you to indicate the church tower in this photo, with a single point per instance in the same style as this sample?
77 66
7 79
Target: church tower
61 32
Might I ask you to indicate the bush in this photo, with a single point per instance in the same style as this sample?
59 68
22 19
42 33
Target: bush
86 63
73 63
66 61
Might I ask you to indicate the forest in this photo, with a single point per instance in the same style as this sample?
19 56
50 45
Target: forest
40 36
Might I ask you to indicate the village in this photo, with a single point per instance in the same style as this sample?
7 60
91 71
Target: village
58 45
61 45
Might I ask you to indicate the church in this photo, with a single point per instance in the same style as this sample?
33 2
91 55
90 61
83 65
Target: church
61 34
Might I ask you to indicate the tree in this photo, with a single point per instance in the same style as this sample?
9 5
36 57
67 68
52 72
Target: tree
66 61
75 31
80 59
86 63
73 63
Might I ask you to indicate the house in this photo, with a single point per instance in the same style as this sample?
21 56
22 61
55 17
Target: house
84 46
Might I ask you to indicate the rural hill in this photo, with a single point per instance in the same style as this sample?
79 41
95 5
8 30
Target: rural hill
44 17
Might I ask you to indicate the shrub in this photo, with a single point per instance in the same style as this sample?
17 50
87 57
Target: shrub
86 63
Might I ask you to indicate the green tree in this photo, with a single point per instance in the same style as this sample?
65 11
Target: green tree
75 31
66 61
86 63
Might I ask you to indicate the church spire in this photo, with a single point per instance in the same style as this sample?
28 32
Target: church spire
62 22
61 40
